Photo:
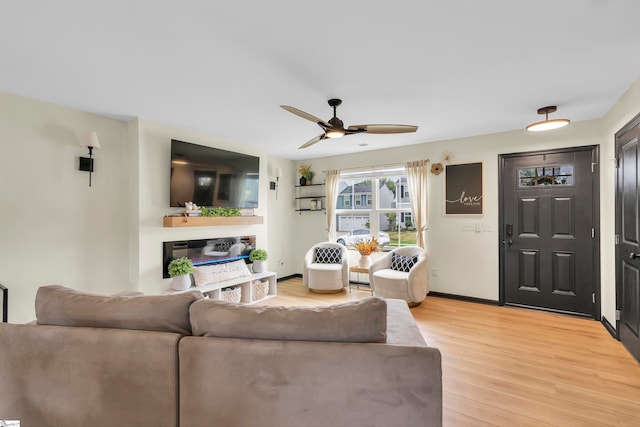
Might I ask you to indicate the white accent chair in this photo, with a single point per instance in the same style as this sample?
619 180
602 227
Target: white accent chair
411 286
326 277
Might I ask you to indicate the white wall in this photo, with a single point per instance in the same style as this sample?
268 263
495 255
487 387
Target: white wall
108 238
154 152
282 219
449 246
55 229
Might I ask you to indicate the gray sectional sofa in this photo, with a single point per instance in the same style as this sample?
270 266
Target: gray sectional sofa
183 360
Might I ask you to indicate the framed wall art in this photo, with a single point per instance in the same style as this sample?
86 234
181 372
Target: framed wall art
464 189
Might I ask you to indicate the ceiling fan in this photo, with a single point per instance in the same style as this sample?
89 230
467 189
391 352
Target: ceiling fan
334 128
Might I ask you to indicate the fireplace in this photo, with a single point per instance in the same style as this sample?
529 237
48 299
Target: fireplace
214 250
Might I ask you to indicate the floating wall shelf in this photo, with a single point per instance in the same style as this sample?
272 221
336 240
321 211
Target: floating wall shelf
210 221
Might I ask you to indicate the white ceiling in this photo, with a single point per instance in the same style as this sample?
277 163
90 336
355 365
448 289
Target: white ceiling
455 68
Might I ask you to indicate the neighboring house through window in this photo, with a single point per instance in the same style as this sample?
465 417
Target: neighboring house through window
380 207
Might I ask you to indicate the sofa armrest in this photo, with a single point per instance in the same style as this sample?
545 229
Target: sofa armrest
419 279
380 264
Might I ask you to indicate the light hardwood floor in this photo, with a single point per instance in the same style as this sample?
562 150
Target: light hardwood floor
512 367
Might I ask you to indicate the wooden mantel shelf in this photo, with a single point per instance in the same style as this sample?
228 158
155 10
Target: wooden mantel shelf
210 221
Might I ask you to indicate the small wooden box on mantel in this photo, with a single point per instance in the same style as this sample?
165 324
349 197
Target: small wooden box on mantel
210 221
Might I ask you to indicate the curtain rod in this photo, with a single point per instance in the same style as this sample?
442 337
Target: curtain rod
375 166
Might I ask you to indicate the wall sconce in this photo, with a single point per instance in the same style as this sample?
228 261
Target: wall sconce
275 185
91 141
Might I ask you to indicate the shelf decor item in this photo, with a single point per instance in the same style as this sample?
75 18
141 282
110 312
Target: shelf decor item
307 174
259 289
231 294
180 269
259 259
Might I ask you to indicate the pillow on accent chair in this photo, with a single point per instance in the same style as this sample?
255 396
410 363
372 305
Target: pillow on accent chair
327 256
403 263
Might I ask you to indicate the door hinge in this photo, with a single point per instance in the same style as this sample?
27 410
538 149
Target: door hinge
593 233
593 297
617 239
617 314
593 167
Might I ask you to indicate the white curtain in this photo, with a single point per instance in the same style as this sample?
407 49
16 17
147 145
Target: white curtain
417 179
331 184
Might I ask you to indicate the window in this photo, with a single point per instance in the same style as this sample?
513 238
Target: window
544 176
381 207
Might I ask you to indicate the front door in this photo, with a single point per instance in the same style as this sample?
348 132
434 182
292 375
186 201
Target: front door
628 237
548 242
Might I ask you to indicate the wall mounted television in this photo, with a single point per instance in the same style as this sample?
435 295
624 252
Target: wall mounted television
212 177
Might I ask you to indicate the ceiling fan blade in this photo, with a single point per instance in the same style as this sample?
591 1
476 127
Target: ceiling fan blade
304 115
382 128
313 141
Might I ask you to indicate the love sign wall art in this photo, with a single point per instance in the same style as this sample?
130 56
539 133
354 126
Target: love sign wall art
464 189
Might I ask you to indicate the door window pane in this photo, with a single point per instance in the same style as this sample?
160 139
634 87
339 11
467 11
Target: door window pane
537 176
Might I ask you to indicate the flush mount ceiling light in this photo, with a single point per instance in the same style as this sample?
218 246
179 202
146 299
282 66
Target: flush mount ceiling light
547 124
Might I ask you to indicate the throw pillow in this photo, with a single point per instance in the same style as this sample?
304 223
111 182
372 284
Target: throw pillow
402 262
328 256
220 272
357 321
60 306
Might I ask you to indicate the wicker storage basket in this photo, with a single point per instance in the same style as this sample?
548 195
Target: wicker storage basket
259 289
232 294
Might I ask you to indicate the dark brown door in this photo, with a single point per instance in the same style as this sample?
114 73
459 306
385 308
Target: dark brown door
628 237
548 234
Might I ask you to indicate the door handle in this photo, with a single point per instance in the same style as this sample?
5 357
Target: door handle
508 242
633 255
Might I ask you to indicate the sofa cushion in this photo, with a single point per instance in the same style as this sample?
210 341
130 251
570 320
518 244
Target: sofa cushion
220 272
402 262
358 321
327 255
58 305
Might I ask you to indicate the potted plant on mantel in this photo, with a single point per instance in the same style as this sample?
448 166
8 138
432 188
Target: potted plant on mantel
180 269
365 248
259 259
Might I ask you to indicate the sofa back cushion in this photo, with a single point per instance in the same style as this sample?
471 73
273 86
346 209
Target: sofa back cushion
57 305
359 321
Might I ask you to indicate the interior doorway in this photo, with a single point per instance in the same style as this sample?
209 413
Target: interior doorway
628 237
549 236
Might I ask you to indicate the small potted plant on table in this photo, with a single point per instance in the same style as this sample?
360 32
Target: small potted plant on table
180 269
259 259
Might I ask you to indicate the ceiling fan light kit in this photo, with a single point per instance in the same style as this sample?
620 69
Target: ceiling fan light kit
547 124
334 128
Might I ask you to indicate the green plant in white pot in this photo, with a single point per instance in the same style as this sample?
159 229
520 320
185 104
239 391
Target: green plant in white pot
180 269
259 259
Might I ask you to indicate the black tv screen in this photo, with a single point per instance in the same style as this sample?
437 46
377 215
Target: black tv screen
212 177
